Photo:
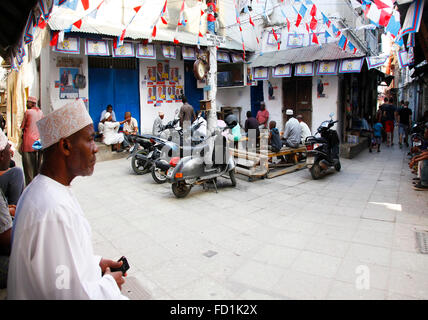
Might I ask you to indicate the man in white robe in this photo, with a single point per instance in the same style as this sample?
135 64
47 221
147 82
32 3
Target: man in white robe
306 132
52 255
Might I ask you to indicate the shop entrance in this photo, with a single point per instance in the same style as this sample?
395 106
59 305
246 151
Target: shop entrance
113 81
297 95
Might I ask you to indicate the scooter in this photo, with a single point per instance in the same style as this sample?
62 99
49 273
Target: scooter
166 152
192 171
323 152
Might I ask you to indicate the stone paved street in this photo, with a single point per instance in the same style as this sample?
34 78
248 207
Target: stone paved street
284 238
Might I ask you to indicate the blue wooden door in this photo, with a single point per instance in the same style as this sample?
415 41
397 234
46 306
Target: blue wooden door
118 87
193 94
256 97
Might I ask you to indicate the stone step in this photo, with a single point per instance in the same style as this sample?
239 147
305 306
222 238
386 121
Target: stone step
105 153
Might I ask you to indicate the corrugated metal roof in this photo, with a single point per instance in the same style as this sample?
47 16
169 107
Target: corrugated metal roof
326 52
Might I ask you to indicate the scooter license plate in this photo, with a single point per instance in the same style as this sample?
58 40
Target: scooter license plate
170 172
310 160
417 143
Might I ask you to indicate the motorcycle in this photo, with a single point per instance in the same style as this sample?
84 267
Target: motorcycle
166 149
416 136
191 170
323 151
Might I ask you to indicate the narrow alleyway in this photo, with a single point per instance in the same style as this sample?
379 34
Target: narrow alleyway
284 238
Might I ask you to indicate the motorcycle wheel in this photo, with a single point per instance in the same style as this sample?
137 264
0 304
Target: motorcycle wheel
139 166
181 189
232 177
158 176
338 166
316 171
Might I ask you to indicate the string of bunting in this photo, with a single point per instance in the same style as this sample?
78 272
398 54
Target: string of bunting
240 28
161 16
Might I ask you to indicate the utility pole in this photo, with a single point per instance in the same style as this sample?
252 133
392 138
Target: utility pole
212 73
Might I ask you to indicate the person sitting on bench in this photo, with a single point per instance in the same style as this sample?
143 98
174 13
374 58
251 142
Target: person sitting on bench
291 136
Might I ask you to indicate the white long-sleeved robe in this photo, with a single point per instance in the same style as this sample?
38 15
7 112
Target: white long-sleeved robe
52 255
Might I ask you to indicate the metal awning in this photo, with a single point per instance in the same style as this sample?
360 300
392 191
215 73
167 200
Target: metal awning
326 52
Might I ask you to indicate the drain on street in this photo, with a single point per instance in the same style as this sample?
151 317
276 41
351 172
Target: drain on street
422 241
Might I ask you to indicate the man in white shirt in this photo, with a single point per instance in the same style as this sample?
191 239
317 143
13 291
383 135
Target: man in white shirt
109 109
52 255
129 127
291 136
306 132
157 124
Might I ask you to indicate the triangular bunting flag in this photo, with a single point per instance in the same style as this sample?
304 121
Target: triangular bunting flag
299 19
315 38
313 24
136 9
85 4
54 40
314 11
78 23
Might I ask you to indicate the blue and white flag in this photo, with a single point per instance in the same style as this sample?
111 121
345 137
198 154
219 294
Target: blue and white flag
412 22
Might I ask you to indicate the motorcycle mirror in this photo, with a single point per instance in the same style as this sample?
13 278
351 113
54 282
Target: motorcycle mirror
331 115
176 111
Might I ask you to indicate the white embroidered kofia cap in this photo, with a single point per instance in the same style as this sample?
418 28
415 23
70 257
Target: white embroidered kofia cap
63 122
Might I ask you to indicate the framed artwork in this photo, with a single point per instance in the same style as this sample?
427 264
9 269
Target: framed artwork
95 47
351 65
260 73
281 71
295 40
168 52
327 68
304 69
67 90
69 45
124 51
146 51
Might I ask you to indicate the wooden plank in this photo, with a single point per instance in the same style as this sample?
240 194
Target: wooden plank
273 174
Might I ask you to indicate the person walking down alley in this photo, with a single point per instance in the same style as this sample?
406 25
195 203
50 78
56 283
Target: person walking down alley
31 159
404 121
52 256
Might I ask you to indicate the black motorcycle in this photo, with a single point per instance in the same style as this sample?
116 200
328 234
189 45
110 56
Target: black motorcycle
323 151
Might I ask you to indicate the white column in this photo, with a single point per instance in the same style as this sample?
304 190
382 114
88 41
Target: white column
212 93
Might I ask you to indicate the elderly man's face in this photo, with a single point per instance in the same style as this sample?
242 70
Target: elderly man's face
109 109
83 149
30 104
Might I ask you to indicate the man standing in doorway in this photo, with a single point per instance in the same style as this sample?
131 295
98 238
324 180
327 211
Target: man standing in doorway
263 116
187 114
404 120
31 159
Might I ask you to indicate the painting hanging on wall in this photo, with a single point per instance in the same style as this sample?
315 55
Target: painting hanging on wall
67 88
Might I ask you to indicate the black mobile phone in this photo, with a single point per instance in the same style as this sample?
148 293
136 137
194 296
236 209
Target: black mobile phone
123 268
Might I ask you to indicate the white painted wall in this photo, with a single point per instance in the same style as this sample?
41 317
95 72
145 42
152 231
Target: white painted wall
235 97
50 73
322 107
274 106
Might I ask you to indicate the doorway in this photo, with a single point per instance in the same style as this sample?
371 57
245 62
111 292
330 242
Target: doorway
192 93
297 95
256 97
113 81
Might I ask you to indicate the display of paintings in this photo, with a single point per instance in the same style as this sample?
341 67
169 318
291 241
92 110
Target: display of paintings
175 75
223 56
295 40
161 93
351 65
168 52
170 93
327 68
189 53
162 71
282 71
271 41
304 69
237 58
97 47
260 73
68 45
124 51
151 74
151 93
146 51
67 90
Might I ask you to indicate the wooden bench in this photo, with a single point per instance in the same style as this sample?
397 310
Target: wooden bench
259 164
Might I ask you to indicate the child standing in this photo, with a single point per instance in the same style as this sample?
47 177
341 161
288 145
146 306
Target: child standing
377 136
